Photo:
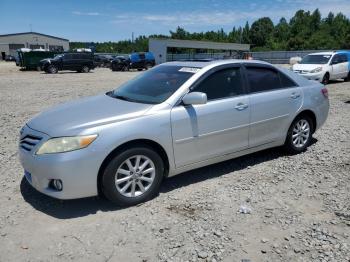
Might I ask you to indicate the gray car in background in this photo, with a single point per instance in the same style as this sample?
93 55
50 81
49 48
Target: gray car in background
173 118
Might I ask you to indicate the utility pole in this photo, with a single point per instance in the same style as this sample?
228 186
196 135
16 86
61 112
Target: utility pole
132 37
30 27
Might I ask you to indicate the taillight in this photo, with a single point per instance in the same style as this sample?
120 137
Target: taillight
325 92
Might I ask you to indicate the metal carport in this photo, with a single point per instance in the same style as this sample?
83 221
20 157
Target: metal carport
159 47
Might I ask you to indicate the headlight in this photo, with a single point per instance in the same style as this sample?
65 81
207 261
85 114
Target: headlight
65 144
316 70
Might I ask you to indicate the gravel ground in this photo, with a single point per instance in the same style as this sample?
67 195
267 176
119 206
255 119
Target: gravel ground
298 207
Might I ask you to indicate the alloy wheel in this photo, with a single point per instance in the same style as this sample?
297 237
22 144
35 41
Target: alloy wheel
135 176
301 133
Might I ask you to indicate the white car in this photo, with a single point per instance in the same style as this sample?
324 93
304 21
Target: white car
325 66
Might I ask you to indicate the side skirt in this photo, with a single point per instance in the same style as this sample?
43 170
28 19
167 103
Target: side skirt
223 158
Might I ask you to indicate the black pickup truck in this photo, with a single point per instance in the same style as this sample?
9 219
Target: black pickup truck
80 62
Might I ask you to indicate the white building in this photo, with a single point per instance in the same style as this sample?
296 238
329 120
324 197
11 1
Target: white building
11 42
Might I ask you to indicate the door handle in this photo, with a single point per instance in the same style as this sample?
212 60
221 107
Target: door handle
241 106
294 95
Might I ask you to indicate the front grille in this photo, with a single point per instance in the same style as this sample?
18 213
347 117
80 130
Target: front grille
301 71
28 142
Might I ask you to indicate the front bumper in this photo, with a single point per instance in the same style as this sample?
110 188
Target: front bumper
312 76
78 170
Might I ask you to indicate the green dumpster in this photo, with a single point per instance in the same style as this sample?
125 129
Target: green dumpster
30 60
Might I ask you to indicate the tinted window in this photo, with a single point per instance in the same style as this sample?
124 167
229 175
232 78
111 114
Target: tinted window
223 83
343 58
262 79
286 81
336 59
85 56
67 57
154 86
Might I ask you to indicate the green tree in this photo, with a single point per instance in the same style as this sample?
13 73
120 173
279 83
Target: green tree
261 31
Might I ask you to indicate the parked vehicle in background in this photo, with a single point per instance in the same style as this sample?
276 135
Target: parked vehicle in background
325 66
79 61
137 61
102 61
10 58
120 63
173 118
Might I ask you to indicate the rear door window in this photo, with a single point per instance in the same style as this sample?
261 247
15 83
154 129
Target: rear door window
286 81
262 79
343 58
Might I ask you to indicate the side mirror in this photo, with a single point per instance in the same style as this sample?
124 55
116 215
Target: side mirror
195 98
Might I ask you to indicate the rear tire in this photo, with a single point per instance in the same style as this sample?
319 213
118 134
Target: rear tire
299 134
85 69
133 176
325 79
347 79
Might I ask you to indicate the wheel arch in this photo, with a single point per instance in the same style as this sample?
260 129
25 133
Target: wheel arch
310 114
137 142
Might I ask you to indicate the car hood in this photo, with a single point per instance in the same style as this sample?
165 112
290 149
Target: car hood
74 117
46 60
306 67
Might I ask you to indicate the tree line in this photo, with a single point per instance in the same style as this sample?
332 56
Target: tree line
305 30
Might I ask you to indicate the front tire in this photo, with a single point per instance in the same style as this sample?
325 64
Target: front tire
133 176
114 67
299 134
52 69
325 79
347 79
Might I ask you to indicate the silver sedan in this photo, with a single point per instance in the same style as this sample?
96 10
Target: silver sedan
173 118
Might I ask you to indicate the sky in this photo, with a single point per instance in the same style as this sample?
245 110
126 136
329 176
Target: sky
113 20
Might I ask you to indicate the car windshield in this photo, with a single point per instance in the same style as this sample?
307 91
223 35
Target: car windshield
315 59
155 85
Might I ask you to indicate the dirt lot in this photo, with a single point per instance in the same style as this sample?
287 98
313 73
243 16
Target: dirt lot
300 205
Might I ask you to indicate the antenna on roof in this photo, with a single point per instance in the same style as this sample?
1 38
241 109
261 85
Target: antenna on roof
30 27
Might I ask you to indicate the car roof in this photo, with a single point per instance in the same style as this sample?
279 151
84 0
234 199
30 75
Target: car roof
202 64
323 53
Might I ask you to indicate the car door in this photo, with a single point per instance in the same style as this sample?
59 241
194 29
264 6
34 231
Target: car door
220 126
67 62
274 100
336 67
344 66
